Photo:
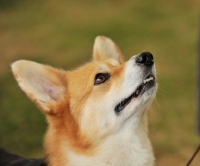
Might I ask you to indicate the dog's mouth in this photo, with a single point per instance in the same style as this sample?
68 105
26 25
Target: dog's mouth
149 81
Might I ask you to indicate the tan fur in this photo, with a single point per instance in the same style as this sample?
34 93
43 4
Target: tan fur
62 96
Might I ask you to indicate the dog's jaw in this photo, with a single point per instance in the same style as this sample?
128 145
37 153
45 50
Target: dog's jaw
139 78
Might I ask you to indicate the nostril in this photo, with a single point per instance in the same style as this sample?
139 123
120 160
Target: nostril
142 58
145 58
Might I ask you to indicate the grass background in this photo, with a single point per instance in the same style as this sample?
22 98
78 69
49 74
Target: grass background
61 33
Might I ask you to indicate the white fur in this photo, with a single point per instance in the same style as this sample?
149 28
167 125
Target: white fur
130 147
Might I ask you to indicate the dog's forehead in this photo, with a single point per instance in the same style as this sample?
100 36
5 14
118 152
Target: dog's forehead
107 65
89 70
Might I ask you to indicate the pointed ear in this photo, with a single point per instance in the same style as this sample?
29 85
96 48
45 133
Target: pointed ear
105 48
44 85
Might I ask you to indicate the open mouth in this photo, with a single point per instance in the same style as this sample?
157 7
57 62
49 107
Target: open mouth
148 82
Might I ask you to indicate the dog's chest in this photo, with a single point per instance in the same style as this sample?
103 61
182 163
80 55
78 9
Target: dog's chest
120 152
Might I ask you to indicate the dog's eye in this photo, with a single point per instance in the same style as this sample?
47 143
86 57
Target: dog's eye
101 78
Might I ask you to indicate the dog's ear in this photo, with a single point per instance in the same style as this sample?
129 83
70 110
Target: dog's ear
105 48
43 84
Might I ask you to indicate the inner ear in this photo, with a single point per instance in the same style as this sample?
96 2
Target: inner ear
105 48
44 85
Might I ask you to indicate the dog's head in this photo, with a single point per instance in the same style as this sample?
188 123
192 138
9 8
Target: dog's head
97 99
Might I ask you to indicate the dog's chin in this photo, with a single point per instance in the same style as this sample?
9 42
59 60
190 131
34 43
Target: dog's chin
151 92
148 96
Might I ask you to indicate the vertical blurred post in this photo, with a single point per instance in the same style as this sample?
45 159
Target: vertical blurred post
198 111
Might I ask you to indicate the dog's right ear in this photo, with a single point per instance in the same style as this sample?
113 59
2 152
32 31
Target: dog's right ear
105 48
43 84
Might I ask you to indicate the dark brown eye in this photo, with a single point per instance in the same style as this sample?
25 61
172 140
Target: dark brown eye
101 78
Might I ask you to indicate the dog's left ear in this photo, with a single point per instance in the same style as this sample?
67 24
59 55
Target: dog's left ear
105 48
44 85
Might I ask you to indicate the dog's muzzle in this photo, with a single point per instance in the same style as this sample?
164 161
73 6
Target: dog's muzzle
145 59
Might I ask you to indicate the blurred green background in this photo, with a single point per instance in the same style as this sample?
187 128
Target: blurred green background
62 32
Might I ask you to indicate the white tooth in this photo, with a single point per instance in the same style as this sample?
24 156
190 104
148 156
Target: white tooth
147 80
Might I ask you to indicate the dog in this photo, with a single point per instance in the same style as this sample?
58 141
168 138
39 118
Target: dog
97 112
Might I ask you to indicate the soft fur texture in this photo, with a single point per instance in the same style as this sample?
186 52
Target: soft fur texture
84 129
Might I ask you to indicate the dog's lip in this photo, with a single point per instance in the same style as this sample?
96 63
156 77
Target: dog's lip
148 82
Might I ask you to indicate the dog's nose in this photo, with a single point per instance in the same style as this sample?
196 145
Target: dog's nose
145 58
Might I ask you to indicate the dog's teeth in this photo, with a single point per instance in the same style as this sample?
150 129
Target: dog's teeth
147 80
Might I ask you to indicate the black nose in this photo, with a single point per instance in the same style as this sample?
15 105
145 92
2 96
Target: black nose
145 58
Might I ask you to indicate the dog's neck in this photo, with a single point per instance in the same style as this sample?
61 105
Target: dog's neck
121 149
130 146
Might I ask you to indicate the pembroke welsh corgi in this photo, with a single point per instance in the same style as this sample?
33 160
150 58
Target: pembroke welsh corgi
97 112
